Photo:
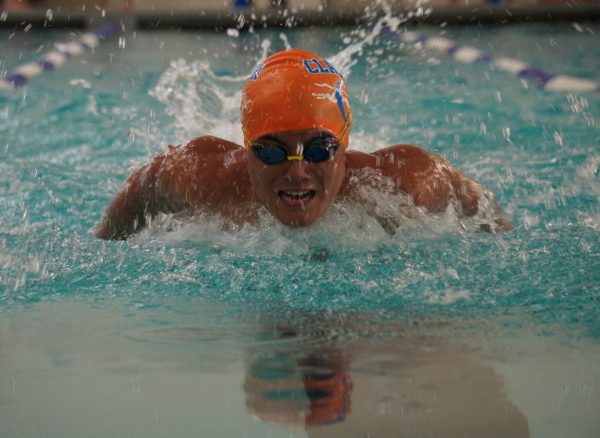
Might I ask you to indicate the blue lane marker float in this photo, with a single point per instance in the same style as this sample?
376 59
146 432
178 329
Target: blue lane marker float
54 59
470 55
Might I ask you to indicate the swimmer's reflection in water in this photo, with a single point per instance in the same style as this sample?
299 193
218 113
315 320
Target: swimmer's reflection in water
407 385
312 390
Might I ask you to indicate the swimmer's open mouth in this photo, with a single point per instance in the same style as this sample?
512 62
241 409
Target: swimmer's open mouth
295 197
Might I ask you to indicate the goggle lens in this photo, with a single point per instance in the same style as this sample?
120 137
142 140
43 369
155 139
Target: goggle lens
316 150
270 154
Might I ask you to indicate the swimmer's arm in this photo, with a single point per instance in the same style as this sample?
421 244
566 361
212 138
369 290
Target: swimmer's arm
134 203
184 177
433 183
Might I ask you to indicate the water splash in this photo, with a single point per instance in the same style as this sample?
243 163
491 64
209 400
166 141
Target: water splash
286 43
347 57
378 217
201 102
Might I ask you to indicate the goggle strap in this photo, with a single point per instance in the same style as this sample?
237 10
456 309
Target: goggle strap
295 157
346 126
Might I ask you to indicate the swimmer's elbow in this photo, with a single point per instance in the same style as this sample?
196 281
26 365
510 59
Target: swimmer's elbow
475 201
108 229
101 230
489 209
125 215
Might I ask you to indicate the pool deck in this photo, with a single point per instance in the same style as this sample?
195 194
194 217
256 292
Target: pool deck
244 18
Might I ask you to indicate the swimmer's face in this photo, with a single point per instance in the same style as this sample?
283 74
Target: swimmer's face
297 192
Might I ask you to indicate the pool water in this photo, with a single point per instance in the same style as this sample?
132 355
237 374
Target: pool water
336 330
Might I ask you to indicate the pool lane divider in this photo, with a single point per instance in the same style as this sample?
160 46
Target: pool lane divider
471 55
56 58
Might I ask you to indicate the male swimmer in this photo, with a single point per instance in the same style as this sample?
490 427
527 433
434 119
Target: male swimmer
296 120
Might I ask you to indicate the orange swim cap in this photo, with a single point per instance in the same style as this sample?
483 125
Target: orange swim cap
293 90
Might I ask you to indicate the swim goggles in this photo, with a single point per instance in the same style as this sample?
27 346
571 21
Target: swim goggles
316 150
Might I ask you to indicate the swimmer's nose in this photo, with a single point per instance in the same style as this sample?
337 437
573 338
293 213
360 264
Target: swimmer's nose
296 169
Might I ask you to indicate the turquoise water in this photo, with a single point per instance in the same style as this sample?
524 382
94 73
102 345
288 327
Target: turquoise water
196 331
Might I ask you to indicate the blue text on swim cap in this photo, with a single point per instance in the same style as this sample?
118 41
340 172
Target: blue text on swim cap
340 99
314 66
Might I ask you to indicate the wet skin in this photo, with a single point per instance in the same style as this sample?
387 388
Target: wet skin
296 192
215 175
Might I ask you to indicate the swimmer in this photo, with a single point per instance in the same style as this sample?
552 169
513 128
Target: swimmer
295 161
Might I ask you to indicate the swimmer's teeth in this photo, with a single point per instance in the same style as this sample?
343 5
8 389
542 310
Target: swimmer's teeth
297 193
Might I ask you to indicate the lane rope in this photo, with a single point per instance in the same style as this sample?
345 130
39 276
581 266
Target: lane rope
471 55
56 58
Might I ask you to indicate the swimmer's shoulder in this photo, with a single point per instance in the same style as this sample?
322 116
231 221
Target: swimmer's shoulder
201 156
399 157
210 145
406 154
205 170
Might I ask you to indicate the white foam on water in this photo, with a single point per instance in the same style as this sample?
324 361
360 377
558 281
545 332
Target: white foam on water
200 101
587 177
448 296
211 229
592 222
589 170
346 58
368 142
379 218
